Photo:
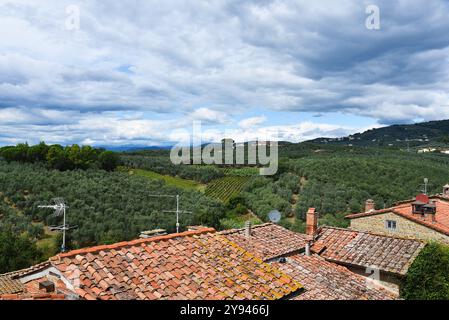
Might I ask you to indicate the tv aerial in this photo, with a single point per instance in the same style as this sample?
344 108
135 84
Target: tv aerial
60 208
424 186
177 211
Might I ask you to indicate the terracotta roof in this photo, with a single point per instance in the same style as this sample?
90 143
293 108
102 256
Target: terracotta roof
441 223
363 249
268 240
9 282
191 265
43 296
9 285
202 264
324 280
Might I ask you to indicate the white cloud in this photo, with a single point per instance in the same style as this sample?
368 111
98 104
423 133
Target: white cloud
251 122
208 116
214 61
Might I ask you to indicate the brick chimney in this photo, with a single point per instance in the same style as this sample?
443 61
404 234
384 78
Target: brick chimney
419 205
370 205
311 222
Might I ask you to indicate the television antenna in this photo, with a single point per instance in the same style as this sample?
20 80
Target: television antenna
177 211
60 208
425 185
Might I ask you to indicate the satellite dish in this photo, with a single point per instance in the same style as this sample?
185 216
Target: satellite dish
274 216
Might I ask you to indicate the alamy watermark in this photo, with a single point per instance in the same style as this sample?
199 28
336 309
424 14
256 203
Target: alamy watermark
73 20
258 152
372 281
372 22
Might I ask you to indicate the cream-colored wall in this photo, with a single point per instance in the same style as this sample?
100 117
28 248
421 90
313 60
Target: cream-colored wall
387 282
404 227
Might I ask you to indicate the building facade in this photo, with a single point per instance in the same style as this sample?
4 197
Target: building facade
424 217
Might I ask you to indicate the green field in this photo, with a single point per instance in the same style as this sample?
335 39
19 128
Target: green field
48 246
241 172
169 180
239 221
225 188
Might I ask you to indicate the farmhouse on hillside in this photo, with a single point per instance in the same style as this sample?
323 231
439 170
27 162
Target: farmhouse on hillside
424 217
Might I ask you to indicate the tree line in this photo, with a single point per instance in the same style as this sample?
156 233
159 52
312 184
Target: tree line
106 207
163 165
62 158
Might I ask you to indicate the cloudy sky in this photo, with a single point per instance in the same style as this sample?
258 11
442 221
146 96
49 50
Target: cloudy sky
141 72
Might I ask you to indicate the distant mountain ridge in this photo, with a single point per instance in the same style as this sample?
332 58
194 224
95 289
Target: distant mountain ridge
399 135
130 148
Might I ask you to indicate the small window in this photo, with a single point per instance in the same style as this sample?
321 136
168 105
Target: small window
390 224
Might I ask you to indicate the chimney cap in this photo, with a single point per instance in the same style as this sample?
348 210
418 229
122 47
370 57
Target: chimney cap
47 285
152 233
195 228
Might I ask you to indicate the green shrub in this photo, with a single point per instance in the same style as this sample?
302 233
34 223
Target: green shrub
16 252
428 277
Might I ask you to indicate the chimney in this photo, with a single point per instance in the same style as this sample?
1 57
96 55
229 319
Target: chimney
420 205
47 285
431 217
446 190
152 233
248 229
307 249
311 222
430 211
369 205
195 228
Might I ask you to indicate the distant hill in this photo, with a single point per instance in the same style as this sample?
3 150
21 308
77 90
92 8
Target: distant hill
132 148
412 135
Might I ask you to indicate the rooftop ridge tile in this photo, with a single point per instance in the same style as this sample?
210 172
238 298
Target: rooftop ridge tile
230 231
124 244
372 234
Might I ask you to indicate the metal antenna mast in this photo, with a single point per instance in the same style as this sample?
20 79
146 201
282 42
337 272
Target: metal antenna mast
426 181
177 211
60 209
425 185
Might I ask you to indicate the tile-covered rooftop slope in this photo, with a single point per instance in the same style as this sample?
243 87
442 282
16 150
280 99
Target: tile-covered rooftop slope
9 285
191 265
203 264
268 240
324 280
364 249
9 282
38 296
404 209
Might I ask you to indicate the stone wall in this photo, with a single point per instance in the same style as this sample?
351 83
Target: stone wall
404 227
386 281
